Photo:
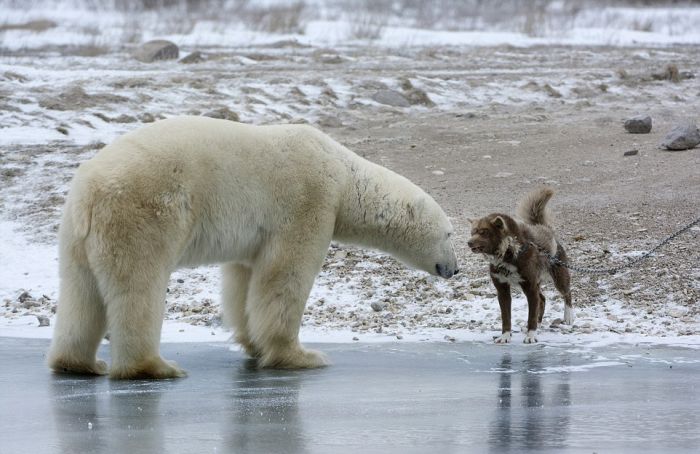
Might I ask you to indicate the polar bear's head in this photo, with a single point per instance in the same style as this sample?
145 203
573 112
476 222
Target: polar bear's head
429 237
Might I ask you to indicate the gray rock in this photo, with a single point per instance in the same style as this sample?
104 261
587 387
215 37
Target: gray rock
158 49
377 306
551 91
43 320
147 118
194 57
418 96
391 98
328 121
24 296
373 85
75 98
36 26
223 113
682 137
641 124
28 304
123 118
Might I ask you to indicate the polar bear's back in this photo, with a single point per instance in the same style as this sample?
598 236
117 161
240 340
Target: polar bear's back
201 139
222 182
202 151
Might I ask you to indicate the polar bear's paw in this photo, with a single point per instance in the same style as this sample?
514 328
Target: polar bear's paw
248 346
293 358
157 368
65 366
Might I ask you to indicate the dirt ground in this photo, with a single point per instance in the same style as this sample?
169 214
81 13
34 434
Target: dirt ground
607 205
501 121
605 202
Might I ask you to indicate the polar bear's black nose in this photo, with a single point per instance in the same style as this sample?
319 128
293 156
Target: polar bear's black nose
444 271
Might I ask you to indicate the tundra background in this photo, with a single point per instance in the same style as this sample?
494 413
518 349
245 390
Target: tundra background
476 102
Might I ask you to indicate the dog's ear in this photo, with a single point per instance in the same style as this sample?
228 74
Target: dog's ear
499 223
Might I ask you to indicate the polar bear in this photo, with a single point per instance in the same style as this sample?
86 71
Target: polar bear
264 201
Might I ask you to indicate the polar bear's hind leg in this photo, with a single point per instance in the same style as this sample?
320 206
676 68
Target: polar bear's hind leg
80 322
132 260
135 309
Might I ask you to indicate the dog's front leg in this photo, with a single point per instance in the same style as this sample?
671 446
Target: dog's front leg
504 301
532 293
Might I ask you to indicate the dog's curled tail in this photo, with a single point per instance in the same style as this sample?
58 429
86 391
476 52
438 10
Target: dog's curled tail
533 208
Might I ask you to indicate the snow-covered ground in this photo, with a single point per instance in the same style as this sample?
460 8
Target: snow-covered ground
67 90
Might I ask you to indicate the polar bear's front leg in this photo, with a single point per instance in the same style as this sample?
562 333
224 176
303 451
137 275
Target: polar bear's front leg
279 287
236 280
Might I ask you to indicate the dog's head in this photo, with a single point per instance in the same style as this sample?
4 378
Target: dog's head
489 234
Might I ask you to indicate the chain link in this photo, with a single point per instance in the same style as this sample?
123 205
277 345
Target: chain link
555 261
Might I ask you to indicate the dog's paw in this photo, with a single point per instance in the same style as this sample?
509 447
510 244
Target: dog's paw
503 338
530 337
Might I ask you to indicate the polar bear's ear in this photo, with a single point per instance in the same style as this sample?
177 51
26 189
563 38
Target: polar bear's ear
415 207
419 203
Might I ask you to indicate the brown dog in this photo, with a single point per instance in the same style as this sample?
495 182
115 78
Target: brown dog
516 250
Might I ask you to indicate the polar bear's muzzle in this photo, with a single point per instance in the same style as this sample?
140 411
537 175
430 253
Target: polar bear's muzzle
445 270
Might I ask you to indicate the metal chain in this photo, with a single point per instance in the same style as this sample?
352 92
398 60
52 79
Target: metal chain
555 261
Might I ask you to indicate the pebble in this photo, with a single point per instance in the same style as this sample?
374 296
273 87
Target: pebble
675 313
194 57
640 124
377 306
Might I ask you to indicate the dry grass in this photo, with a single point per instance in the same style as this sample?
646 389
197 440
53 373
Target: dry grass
367 27
277 18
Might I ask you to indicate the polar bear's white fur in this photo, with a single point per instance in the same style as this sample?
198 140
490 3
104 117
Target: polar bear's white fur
265 201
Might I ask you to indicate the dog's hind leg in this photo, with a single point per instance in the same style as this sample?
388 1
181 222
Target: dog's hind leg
532 293
540 310
562 281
